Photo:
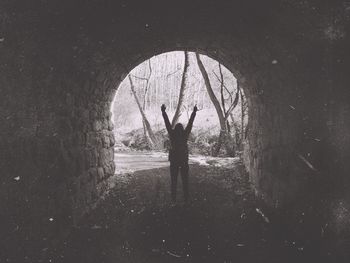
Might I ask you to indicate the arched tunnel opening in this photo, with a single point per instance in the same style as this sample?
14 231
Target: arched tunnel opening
174 79
61 197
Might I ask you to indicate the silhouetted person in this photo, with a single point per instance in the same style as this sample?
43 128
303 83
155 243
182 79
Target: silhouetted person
178 153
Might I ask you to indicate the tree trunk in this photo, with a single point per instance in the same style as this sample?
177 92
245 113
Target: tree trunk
151 137
145 96
182 91
222 88
238 138
147 85
216 103
242 116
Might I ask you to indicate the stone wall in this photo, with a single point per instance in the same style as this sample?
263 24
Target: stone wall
61 63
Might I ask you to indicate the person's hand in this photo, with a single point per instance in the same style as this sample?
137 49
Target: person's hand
195 109
163 107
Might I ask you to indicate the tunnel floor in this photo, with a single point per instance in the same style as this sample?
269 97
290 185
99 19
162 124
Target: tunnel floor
222 223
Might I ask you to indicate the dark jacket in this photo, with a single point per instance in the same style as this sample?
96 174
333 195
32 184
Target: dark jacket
178 152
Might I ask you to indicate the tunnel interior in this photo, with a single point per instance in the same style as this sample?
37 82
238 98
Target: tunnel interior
100 139
61 65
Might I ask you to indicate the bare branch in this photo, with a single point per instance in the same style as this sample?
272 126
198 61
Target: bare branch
209 88
172 73
136 77
227 90
233 105
151 136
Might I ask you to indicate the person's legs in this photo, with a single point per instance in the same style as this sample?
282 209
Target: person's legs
184 177
174 170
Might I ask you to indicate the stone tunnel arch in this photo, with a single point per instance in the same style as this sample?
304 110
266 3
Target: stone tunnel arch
61 62
267 104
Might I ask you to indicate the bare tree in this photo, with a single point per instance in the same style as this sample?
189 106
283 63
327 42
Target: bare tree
239 129
244 108
150 134
145 94
182 91
222 112
147 84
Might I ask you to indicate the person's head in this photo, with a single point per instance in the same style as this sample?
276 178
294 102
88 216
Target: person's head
179 129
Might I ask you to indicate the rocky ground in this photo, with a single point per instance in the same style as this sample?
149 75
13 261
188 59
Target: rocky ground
224 222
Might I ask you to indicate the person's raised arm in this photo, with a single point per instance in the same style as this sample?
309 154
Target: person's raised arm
190 122
166 119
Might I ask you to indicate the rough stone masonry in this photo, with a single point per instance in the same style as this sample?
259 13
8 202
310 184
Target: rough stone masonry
61 63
